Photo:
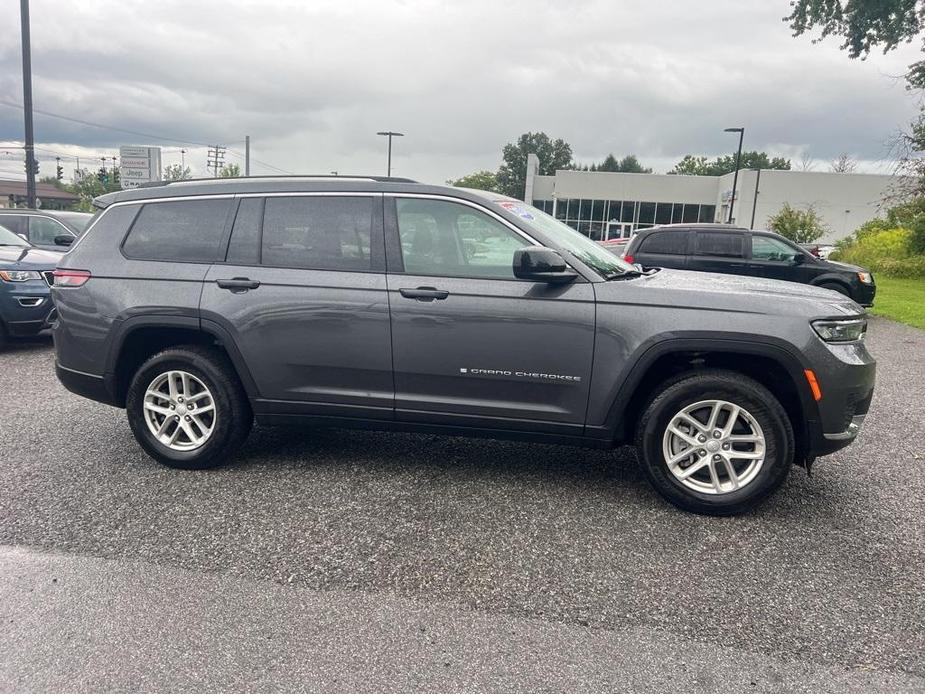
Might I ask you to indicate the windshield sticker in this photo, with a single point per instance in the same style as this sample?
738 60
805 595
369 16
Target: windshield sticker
514 208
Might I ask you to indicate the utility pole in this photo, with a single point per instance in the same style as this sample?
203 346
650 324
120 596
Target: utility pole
247 155
31 164
216 159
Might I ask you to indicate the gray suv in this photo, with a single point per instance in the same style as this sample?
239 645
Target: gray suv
384 303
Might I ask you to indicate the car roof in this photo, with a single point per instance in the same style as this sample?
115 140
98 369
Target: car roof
710 226
277 184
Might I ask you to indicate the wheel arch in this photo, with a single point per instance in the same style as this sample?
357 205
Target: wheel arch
139 337
772 365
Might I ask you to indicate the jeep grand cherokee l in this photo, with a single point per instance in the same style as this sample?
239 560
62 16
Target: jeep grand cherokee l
384 303
25 300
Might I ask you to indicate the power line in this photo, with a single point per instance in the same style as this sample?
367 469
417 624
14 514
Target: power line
262 163
150 136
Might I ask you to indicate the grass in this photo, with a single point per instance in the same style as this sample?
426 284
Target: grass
902 300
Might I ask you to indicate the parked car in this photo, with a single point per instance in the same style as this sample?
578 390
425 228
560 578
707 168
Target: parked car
384 303
46 229
25 275
738 251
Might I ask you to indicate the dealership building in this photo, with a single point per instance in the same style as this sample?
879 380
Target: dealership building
608 205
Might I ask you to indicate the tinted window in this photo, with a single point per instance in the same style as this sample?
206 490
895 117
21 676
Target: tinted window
454 240
665 242
42 231
721 243
767 248
15 223
190 230
244 247
316 232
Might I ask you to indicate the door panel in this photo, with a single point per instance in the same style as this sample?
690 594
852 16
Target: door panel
774 259
314 336
492 348
719 251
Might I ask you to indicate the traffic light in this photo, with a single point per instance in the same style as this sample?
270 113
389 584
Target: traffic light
103 176
60 169
35 167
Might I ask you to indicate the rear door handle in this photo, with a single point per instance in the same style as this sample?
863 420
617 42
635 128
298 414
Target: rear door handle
424 293
238 284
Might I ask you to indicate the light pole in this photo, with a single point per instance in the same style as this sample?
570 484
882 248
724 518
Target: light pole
735 178
389 134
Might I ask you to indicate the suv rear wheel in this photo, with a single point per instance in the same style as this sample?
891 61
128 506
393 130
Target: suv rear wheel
187 408
715 442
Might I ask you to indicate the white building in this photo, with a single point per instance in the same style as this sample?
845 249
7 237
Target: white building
605 205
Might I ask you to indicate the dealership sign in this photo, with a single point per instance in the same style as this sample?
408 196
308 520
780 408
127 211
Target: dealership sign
139 165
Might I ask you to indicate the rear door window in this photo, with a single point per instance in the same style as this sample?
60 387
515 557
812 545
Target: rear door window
42 231
321 232
186 230
723 244
244 247
665 243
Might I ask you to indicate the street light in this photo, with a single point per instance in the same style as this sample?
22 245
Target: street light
389 134
735 178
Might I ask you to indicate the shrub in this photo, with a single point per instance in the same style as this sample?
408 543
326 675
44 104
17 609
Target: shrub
917 236
800 226
912 267
874 248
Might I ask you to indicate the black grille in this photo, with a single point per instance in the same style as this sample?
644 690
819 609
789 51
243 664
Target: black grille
49 276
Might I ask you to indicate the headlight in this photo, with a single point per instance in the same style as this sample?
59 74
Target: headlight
19 275
841 330
865 277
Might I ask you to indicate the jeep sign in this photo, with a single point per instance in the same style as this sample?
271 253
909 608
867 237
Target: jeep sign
139 165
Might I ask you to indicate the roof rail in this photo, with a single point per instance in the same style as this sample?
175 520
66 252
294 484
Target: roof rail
294 177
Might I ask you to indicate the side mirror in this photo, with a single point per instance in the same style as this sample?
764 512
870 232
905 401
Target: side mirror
64 240
541 264
799 259
23 237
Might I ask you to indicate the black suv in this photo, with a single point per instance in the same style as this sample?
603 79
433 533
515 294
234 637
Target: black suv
384 303
739 251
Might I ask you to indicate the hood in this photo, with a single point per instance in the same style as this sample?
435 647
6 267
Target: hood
729 293
28 258
844 267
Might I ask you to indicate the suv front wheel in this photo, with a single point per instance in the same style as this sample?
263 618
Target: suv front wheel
187 408
715 442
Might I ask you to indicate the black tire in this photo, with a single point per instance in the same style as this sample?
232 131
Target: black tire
691 388
836 287
233 415
3 339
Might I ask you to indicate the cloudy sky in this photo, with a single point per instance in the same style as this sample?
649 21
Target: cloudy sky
312 82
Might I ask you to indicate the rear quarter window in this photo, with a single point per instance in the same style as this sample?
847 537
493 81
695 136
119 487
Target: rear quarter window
665 243
186 230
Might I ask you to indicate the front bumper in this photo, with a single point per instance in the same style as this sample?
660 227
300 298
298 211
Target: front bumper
26 308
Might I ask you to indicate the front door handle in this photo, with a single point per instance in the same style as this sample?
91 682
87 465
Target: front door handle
424 293
238 284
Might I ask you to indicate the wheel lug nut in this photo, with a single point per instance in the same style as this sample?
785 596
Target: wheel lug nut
176 419
717 457
725 446
188 418
171 406
179 399
701 452
717 434
701 438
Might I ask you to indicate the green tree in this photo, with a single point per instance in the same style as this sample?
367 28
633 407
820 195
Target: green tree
480 180
800 226
864 25
177 172
87 185
230 171
628 164
692 165
553 155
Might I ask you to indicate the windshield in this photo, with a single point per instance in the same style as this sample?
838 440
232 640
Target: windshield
8 238
599 259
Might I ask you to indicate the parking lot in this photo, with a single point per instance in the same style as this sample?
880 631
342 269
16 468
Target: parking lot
334 559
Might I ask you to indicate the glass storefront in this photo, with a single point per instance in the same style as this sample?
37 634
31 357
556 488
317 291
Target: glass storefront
603 219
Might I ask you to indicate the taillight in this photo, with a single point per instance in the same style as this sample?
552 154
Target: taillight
628 258
71 278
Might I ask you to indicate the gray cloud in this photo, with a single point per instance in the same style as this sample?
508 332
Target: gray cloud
313 82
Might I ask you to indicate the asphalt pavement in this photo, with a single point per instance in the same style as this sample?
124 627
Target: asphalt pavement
346 561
